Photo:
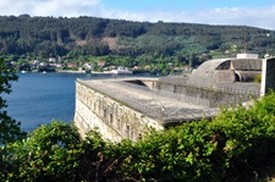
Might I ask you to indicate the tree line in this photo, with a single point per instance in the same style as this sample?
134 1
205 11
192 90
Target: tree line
175 42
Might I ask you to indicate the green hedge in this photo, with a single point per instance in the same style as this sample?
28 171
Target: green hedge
237 145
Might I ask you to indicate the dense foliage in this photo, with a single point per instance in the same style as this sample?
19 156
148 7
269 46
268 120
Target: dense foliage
141 42
237 145
9 128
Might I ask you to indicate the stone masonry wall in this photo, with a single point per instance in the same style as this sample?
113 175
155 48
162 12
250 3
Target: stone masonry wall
217 97
268 75
114 120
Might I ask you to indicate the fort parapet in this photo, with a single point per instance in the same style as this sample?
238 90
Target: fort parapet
120 110
131 107
98 107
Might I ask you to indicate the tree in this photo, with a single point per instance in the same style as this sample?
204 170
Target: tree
9 128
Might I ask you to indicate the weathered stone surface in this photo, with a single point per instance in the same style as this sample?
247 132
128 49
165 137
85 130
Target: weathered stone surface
268 75
112 118
130 107
227 70
120 110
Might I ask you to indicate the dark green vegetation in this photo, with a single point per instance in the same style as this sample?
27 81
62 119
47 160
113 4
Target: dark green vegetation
126 43
9 128
238 145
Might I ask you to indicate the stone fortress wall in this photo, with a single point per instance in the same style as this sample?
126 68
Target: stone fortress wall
268 75
130 108
118 120
113 119
221 95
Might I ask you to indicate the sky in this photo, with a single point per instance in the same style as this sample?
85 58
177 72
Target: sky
256 13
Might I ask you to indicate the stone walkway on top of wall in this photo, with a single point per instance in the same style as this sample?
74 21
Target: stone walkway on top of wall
167 110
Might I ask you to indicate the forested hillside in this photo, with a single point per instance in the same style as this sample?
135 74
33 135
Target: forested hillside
142 42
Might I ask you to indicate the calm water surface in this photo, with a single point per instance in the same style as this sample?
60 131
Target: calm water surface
39 98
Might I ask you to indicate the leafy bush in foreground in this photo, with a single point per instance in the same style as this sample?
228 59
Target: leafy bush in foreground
49 154
237 145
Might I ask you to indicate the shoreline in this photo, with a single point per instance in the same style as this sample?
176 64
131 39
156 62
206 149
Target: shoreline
69 71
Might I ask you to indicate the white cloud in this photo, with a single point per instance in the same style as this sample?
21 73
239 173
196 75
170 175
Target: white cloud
50 7
259 17
66 8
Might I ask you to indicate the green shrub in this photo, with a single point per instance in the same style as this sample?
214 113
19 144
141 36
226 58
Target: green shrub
237 145
50 153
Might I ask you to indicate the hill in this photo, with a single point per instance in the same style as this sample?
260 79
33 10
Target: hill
143 42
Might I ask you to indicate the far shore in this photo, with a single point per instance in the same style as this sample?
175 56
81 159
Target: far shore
70 71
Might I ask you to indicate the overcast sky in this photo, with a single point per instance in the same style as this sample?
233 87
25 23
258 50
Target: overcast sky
258 13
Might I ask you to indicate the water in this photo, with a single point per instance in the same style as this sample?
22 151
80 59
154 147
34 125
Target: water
39 98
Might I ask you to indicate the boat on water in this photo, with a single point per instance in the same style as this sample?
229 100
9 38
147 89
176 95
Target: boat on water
121 71
23 71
